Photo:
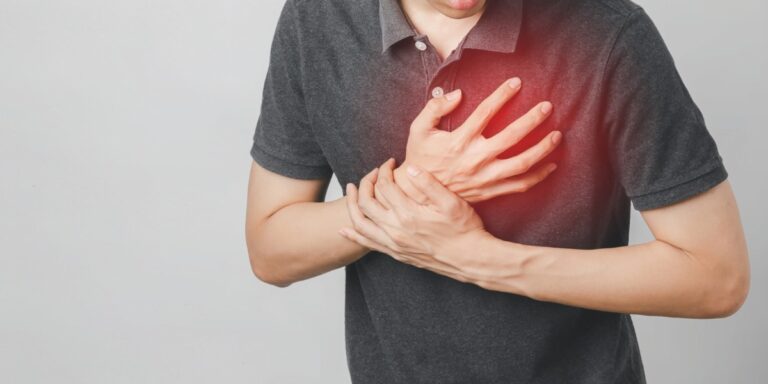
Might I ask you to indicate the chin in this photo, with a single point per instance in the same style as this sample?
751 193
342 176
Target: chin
458 9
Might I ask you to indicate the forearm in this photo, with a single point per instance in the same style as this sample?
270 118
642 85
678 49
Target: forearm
653 278
301 241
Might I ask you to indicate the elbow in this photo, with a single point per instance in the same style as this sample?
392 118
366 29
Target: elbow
259 259
262 268
729 295
266 273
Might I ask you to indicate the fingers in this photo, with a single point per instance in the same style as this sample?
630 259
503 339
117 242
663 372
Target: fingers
515 184
401 203
362 224
480 117
385 172
425 182
366 199
522 162
434 110
515 131
404 182
355 236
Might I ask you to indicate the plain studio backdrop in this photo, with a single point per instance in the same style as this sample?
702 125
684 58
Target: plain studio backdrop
125 129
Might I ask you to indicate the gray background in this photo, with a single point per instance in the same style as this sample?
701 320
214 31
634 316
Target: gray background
125 128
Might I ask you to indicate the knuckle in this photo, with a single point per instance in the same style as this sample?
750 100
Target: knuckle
366 210
525 164
398 237
456 146
484 110
529 121
461 171
453 208
518 166
495 145
487 177
433 105
472 195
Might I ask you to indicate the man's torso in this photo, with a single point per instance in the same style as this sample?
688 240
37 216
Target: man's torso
408 325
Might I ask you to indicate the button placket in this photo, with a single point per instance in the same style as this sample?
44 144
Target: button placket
434 70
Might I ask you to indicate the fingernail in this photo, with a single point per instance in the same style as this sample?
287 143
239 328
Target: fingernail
514 82
412 171
556 137
552 167
452 94
546 107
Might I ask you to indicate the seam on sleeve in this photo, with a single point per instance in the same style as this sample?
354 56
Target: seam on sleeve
288 168
269 152
714 174
683 178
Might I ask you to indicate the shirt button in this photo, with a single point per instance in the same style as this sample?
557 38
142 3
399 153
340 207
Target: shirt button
420 45
437 92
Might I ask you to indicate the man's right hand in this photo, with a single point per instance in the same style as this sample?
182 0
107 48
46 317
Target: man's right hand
464 160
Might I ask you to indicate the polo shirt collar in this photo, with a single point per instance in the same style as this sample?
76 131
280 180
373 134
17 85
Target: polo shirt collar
497 30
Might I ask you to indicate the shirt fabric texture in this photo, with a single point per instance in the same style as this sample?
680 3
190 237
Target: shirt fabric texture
344 83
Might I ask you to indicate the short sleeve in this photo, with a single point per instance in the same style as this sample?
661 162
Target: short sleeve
658 144
283 141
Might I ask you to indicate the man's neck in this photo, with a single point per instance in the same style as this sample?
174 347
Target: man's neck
444 32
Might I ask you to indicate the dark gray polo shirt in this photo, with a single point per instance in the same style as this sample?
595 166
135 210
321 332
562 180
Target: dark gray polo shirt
347 77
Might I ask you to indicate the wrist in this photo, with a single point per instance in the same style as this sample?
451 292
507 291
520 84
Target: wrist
467 252
497 264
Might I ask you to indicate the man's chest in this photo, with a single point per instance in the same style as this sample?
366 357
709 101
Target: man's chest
363 117
361 114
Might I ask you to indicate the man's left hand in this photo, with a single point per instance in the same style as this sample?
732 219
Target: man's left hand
439 236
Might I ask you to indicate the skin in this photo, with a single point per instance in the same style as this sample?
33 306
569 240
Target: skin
697 266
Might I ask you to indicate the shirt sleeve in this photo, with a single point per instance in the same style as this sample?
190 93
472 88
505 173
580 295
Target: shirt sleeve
283 141
658 144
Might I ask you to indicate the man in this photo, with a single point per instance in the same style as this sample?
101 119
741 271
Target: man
487 265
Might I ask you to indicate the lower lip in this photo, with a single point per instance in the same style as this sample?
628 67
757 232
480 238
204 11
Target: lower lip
462 4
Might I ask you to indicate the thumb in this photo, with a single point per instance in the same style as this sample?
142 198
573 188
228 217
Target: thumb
434 110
